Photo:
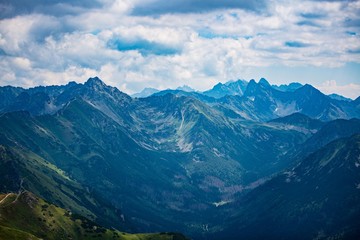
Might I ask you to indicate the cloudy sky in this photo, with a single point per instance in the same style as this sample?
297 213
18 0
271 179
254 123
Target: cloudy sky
132 44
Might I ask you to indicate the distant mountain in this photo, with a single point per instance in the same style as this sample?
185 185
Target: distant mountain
185 88
230 88
261 102
146 92
300 121
339 97
320 198
180 93
287 87
221 90
26 216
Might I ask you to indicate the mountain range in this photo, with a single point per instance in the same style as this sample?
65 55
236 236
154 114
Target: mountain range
185 161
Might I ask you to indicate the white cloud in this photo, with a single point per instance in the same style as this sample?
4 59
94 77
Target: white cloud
197 49
351 90
21 63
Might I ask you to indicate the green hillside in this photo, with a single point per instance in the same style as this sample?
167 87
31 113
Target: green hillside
26 216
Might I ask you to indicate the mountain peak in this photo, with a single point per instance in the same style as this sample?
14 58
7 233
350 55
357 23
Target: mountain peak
146 92
307 88
218 86
264 82
230 88
95 81
185 88
251 87
252 81
71 84
357 100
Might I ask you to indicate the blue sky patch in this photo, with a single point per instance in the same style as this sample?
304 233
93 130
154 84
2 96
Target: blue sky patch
205 33
308 23
142 46
295 44
313 15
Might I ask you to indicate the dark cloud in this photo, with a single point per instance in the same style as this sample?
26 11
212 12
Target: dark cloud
143 46
10 8
296 44
158 7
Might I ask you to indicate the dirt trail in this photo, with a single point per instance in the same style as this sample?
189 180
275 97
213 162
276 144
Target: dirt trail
4 198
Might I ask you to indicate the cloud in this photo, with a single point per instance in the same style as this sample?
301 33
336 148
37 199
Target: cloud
148 40
197 43
351 90
11 8
156 7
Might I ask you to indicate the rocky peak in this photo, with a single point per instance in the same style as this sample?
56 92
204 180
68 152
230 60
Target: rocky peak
95 82
264 82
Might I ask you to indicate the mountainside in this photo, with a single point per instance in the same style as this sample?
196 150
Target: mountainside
186 171
26 216
299 120
319 199
230 88
22 169
175 161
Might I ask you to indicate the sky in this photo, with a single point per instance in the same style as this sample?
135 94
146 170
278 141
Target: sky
133 44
